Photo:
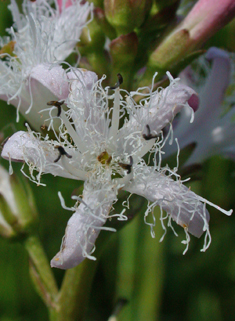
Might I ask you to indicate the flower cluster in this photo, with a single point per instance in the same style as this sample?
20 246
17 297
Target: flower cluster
42 37
102 138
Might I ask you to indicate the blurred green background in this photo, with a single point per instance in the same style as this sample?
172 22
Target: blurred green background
157 280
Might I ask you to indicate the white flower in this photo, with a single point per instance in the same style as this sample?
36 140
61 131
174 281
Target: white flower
213 130
30 76
99 143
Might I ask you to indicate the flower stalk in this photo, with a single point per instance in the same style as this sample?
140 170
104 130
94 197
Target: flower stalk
72 300
40 271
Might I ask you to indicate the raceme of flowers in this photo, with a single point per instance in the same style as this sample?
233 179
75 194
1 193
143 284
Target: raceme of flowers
102 138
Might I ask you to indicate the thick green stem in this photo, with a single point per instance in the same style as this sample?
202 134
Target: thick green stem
74 294
40 271
149 273
140 271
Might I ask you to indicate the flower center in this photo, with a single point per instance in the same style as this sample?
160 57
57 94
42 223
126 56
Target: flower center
104 158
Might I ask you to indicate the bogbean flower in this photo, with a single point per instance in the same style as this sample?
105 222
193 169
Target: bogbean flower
103 137
40 38
213 129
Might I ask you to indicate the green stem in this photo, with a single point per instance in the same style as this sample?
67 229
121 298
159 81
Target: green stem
149 273
74 294
40 271
127 238
140 270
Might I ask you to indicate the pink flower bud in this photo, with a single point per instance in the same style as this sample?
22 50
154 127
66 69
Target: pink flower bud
207 17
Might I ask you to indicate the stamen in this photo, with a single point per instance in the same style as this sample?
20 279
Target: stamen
28 126
72 132
62 152
149 135
57 104
113 130
118 83
127 167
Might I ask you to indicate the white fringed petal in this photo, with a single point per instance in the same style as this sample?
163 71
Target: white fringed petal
156 111
39 155
161 108
84 227
18 146
60 27
165 107
184 206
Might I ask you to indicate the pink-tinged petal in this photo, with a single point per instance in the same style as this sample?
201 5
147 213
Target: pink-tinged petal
53 78
161 109
170 104
180 203
149 118
84 227
81 79
45 83
211 99
194 102
217 82
62 4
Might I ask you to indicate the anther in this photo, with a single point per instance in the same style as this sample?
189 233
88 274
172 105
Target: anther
27 125
57 104
118 83
149 135
104 158
127 167
62 153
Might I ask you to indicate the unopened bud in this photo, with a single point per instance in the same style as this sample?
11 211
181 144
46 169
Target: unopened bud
91 46
126 15
205 18
123 51
161 14
106 27
97 3
92 38
17 210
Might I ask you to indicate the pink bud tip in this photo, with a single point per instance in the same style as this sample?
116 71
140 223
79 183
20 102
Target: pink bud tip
194 102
